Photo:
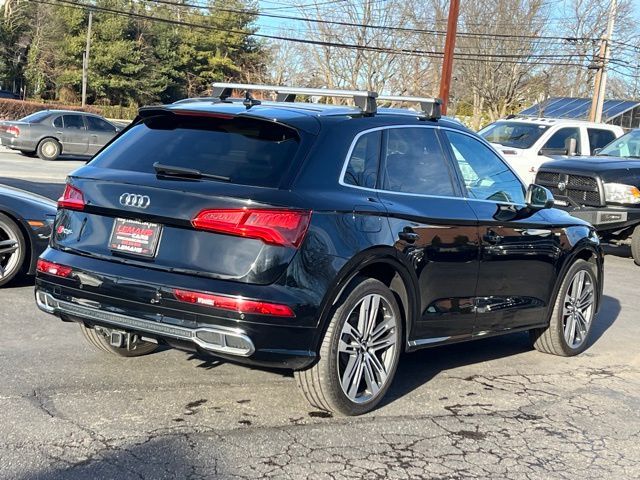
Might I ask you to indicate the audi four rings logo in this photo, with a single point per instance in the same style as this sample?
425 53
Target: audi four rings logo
135 200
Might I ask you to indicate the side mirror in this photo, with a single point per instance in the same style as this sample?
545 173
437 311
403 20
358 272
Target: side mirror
596 151
571 146
539 198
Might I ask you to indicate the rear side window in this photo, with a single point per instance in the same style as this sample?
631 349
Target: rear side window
244 150
58 122
362 169
415 163
599 138
73 121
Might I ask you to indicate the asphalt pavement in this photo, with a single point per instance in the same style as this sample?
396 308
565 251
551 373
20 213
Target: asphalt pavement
490 409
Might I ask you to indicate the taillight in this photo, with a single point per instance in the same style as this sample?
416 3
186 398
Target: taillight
282 227
235 304
51 268
13 130
72 199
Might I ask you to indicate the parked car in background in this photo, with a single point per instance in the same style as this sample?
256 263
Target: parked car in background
603 189
319 238
25 228
9 94
52 133
527 143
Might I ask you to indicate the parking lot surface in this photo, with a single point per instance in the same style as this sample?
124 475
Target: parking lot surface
490 409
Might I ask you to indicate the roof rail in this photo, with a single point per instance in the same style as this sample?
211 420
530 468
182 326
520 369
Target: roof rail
431 107
365 100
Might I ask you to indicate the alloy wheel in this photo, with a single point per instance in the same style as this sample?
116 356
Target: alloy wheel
578 309
367 348
9 250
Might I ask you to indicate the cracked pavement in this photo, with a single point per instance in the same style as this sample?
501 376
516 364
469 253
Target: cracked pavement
490 409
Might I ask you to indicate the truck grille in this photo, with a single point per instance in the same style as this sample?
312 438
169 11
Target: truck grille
579 189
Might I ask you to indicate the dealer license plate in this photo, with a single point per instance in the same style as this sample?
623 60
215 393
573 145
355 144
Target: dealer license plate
136 238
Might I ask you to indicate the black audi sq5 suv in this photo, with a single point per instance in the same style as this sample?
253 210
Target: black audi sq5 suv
323 239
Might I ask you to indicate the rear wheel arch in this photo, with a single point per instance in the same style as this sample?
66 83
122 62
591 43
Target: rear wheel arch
379 263
49 137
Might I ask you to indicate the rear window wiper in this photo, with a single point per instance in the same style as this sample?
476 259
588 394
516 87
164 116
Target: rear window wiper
183 172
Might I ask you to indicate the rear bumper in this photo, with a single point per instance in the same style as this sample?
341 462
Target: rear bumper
135 303
17 143
608 219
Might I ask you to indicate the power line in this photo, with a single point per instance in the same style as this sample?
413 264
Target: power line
470 57
257 13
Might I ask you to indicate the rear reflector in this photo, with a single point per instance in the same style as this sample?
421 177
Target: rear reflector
282 227
235 304
72 199
51 268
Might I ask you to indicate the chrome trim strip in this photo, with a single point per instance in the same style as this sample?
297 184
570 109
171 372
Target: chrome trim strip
427 341
47 303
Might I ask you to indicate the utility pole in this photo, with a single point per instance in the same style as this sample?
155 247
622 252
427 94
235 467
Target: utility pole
449 47
604 54
85 61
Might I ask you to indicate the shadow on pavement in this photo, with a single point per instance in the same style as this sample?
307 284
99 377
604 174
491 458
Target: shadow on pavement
46 189
159 456
418 368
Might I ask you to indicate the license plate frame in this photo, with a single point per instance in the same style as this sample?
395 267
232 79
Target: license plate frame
133 237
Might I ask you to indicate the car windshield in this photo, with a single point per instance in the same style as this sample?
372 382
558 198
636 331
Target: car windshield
35 117
513 134
627 146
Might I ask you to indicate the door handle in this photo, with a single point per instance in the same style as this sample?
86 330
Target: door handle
408 235
492 237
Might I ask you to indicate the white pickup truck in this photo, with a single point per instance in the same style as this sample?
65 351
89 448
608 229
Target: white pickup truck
527 143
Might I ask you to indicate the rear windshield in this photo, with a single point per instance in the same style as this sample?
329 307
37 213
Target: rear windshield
36 117
246 151
513 134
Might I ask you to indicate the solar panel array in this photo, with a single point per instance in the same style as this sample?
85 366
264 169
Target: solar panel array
577 108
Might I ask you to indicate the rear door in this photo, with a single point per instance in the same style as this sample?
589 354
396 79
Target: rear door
435 231
100 132
518 253
227 223
74 135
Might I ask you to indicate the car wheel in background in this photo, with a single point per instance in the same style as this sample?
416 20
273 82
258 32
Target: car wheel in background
359 353
49 149
98 339
573 313
635 245
12 249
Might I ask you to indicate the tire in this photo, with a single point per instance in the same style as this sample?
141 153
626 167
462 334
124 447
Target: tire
13 250
100 342
635 245
558 338
49 149
345 349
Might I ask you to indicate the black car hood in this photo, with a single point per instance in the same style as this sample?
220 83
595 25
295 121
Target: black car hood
610 169
16 193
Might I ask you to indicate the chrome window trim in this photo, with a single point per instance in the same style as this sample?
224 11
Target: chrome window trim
345 165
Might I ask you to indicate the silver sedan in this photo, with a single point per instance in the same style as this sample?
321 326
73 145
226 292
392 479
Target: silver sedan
51 133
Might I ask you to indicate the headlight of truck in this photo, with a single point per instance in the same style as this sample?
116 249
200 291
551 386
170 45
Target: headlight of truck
621 193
